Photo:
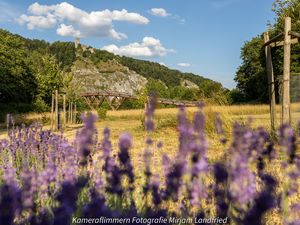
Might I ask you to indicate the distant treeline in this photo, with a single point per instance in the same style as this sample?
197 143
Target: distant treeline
31 69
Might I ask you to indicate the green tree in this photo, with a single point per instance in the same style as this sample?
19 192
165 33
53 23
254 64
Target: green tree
18 83
157 86
48 75
251 75
65 54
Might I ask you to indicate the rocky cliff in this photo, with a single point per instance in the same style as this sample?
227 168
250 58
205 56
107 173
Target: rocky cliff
109 75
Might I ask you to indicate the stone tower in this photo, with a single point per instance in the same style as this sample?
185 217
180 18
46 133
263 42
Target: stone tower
77 42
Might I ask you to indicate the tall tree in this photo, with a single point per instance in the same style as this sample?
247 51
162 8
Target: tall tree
18 83
251 75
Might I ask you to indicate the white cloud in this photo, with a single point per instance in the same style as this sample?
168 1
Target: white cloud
149 47
159 12
65 30
162 64
39 10
71 21
184 64
33 22
123 15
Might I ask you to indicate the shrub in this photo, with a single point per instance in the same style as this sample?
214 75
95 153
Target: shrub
102 112
40 105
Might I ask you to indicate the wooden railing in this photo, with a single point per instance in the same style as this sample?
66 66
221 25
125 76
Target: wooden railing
116 99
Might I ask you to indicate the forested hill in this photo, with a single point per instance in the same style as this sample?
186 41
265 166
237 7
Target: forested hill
31 69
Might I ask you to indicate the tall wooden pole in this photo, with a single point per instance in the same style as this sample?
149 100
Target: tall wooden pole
271 85
64 108
56 109
286 72
52 112
75 112
71 113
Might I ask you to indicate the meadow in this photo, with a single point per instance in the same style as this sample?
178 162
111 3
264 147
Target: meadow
216 161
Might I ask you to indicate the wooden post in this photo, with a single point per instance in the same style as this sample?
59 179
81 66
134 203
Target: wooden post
59 124
75 112
64 109
56 110
271 85
71 113
286 72
52 112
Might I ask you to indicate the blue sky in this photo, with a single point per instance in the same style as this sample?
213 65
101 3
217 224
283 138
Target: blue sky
199 36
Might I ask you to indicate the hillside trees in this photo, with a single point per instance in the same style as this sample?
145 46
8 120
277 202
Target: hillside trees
18 83
65 54
30 70
156 71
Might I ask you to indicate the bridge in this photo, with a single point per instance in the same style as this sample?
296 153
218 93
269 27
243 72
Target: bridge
116 99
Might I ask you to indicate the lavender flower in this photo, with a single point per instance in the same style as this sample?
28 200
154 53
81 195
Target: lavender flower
262 203
242 182
220 189
41 180
287 139
124 146
149 112
114 185
174 180
156 194
86 139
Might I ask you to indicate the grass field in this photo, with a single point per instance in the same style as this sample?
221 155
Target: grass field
131 121
166 132
166 121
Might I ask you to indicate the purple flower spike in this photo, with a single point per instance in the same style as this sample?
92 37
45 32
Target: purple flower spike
125 143
287 139
174 180
86 138
149 113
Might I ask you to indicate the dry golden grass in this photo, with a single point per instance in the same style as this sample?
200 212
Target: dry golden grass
131 121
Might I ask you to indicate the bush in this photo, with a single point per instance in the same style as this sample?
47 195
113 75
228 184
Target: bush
236 96
13 108
40 105
102 112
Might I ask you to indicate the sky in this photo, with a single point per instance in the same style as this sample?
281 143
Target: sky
199 36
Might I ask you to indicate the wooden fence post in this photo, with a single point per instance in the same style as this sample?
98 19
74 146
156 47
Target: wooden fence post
56 110
271 85
75 112
286 72
64 109
71 112
52 112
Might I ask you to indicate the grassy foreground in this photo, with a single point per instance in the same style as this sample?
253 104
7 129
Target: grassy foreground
166 127
166 132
